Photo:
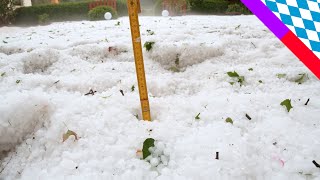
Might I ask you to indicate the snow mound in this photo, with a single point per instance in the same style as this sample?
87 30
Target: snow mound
182 56
97 54
10 50
90 53
21 114
39 61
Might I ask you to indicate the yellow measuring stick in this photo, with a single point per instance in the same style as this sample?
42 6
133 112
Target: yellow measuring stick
133 10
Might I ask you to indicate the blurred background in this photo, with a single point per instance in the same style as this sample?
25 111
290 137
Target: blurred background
30 12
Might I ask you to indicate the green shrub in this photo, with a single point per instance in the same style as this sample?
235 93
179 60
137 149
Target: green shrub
56 12
209 6
238 9
97 13
6 12
43 19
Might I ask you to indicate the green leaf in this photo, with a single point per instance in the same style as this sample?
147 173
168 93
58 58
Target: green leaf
260 81
146 145
250 69
105 97
301 79
148 45
132 88
197 117
3 74
229 120
18 81
287 104
232 83
233 74
281 75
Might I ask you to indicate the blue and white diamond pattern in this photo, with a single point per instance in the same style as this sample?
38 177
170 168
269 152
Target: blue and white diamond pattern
302 17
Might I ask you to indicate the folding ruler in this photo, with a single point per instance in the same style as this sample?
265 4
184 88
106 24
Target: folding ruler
133 10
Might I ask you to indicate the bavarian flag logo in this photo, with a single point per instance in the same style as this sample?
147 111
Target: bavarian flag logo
296 23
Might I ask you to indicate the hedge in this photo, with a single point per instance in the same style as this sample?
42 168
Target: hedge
237 8
61 12
98 13
56 12
209 6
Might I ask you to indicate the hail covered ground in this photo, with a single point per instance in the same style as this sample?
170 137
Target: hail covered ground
68 76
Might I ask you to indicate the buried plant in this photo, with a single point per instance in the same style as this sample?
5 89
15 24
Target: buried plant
300 78
237 77
176 67
155 153
280 76
229 120
148 45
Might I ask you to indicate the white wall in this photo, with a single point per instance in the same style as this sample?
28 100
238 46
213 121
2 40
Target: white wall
26 3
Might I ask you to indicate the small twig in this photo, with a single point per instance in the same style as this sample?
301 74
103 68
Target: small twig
4 167
56 82
253 45
65 125
316 164
217 155
248 117
307 101
91 92
122 92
